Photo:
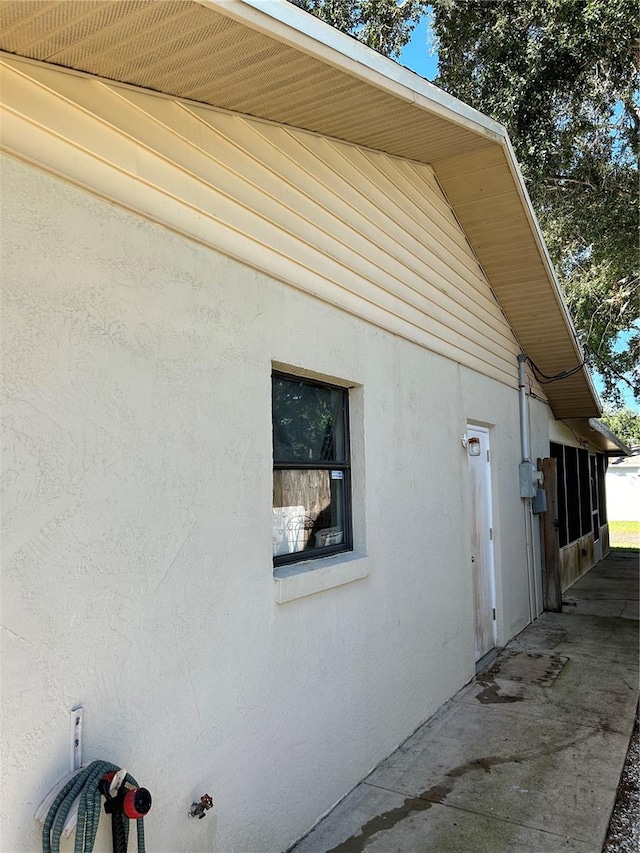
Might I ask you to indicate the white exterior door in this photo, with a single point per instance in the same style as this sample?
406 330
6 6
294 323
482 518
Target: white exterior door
481 540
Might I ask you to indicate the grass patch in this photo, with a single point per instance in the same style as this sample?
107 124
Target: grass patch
625 534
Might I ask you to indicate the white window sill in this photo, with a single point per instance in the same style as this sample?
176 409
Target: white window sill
299 579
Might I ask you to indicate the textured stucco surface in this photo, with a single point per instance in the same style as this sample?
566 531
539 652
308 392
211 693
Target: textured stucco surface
137 575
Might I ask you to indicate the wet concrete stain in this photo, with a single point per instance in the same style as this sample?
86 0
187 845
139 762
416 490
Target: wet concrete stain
491 696
528 667
387 820
437 794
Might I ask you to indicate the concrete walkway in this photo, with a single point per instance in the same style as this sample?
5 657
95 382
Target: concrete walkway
524 759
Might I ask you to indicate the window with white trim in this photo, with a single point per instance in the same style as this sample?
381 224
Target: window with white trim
311 469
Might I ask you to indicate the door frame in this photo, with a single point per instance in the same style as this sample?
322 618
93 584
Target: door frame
485 433
594 493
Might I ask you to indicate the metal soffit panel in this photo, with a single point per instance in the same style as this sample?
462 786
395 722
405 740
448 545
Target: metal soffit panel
182 48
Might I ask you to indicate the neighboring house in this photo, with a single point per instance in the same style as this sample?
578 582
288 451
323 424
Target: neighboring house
267 490
623 487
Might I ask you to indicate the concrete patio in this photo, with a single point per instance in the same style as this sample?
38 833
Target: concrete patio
528 756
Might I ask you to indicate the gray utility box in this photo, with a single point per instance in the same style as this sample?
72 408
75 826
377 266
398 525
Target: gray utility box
527 483
540 501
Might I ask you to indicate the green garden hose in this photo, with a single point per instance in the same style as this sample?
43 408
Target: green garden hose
85 785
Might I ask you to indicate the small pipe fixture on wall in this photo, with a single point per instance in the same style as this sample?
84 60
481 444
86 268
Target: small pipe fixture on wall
200 809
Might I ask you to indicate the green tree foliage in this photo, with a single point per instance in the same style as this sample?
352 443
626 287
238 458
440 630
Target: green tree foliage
384 25
561 75
625 424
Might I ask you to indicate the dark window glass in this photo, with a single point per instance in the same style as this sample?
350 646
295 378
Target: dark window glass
585 492
311 474
308 422
593 479
557 453
573 493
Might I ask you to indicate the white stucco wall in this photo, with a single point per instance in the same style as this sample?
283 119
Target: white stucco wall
137 576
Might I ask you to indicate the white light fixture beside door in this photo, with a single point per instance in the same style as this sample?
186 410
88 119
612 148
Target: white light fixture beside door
473 446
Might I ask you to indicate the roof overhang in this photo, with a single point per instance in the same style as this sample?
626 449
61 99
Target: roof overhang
598 435
276 62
